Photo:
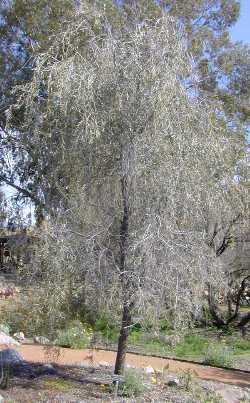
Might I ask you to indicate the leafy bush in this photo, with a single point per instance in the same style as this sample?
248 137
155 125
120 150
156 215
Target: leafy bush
19 318
107 328
76 335
211 397
137 337
241 345
192 345
218 356
187 378
133 385
148 343
33 315
164 325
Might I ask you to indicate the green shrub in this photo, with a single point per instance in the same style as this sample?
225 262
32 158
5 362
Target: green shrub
33 318
241 345
148 343
107 328
137 337
187 378
133 385
218 356
165 325
212 397
76 335
192 345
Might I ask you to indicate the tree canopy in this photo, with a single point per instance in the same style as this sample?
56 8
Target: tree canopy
27 31
140 163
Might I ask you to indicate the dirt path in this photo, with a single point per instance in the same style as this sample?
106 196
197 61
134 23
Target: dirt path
36 353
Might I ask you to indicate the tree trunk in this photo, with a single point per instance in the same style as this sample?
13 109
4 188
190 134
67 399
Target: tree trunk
217 318
244 321
123 339
233 314
125 279
229 305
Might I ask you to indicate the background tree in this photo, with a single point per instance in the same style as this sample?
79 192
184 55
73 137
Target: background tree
25 31
3 214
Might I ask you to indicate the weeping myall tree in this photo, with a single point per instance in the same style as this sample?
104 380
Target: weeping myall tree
118 115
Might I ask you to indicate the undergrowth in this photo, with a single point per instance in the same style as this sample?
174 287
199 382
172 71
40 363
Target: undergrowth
219 356
133 384
76 335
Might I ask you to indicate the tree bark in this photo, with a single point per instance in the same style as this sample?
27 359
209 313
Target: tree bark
125 279
233 314
217 318
123 339
244 321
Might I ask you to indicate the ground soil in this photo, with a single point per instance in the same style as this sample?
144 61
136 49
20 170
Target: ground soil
66 356
89 383
75 384
81 385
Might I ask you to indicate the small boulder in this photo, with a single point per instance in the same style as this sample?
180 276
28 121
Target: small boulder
149 370
118 380
172 381
41 340
246 396
48 369
5 339
10 356
87 365
105 364
128 366
19 336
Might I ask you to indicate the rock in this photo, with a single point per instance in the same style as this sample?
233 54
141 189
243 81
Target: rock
5 339
41 340
10 358
128 366
172 381
118 379
246 396
149 370
105 364
19 336
48 369
208 388
84 364
45 369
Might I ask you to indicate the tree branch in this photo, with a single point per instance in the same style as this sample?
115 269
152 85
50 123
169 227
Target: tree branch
25 192
238 298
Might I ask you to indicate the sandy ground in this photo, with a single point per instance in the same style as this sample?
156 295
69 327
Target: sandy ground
65 356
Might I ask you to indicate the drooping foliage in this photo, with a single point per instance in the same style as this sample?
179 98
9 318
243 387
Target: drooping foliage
140 164
27 29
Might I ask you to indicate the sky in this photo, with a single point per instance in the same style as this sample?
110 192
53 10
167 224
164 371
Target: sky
241 30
